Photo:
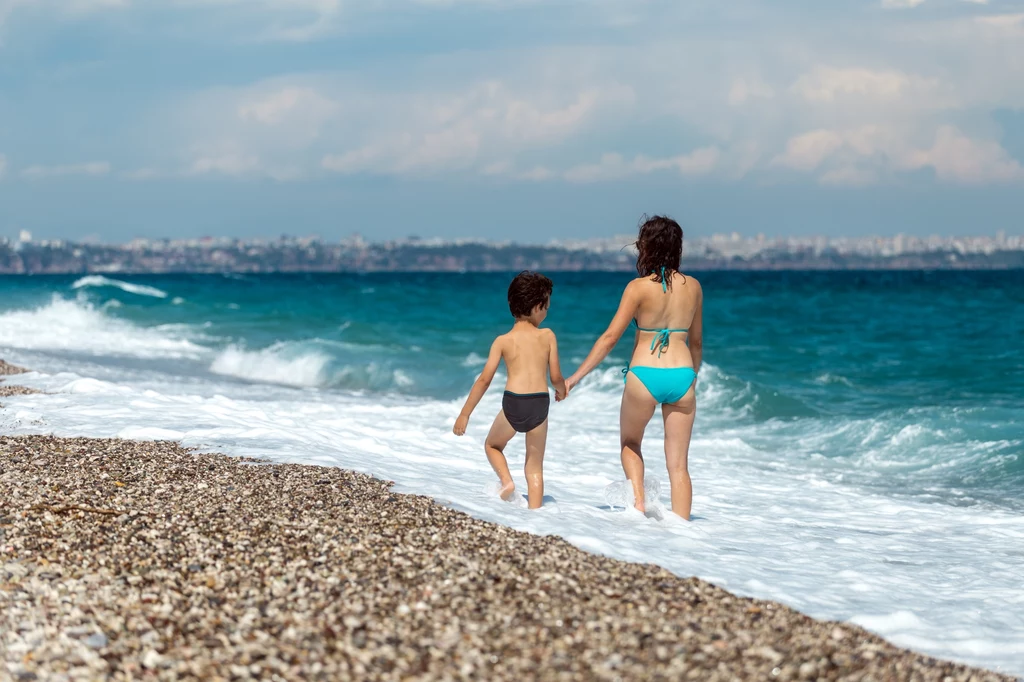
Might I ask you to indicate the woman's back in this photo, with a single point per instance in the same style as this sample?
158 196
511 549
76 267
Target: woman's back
664 316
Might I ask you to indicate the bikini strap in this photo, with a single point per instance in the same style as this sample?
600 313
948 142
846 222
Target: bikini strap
664 283
661 337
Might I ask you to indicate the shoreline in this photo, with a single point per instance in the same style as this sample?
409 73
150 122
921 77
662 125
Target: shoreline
124 558
9 390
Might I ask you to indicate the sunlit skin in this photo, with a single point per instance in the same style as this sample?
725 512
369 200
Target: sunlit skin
681 307
530 355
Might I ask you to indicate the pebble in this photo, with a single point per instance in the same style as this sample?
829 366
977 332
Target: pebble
96 641
291 578
7 390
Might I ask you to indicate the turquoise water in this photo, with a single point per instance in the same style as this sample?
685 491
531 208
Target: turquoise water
911 380
858 452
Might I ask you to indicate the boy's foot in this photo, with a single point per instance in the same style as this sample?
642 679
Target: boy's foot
507 491
640 507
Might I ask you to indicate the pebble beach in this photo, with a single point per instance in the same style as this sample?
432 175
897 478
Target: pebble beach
125 560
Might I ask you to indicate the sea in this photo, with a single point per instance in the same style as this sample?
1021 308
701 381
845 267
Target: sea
858 452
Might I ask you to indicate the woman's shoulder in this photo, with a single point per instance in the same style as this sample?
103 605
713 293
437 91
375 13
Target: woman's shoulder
691 281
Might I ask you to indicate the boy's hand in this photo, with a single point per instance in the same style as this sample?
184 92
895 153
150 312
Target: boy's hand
561 395
460 425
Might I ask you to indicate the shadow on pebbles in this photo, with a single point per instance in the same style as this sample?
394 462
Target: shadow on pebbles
123 560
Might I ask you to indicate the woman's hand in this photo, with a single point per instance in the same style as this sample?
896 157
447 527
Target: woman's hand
571 382
460 425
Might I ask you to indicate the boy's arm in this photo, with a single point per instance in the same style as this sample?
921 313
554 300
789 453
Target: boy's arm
479 387
557 380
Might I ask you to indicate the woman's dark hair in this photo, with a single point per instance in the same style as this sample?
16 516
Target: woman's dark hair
659 248
527 291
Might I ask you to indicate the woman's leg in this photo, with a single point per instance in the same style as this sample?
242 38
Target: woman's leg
678 428
637 408
535 442
500 434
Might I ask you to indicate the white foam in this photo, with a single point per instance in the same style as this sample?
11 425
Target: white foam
765 523
474 360
277 364
78 327
101 281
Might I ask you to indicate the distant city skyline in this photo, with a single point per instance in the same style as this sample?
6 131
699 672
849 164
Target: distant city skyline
714 247
510 119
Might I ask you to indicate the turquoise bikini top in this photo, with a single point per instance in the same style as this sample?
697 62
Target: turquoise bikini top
661 336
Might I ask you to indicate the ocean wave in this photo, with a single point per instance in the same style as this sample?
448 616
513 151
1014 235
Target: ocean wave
274 365
474 360
78 326
314 363
101 281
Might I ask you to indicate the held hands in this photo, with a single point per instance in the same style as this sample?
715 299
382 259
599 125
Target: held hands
570 384
460 425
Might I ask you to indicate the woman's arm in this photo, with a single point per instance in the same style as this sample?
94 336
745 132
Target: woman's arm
695 338
480 387
606 342
555 369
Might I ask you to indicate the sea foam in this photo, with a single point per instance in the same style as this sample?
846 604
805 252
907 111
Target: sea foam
78 327
275 365
101 281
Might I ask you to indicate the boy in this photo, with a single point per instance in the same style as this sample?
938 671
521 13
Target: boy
529 353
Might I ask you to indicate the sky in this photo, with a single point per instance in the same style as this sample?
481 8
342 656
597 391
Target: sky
527 120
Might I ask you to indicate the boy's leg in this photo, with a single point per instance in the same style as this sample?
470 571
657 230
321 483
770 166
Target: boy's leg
497 438
536 441
678 429
636 411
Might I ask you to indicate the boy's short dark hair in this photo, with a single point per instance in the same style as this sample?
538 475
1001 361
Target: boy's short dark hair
527 291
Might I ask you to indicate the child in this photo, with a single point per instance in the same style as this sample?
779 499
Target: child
529 353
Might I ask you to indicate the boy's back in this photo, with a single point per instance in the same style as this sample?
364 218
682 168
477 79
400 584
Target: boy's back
526 350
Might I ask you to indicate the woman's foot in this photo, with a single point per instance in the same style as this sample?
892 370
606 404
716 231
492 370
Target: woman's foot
639 499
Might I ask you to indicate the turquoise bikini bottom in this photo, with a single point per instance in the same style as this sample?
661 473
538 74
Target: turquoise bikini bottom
665 384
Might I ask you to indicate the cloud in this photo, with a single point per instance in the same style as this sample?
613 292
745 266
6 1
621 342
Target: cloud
142 174
1012 24
52 8
226 164
477 127
861 155
901 4
849 177
826 84
289 106
843 109
506 169
744 90
807 151
93 168
957 158
278 20
615 166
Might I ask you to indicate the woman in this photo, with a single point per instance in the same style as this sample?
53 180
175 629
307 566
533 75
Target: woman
666 307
